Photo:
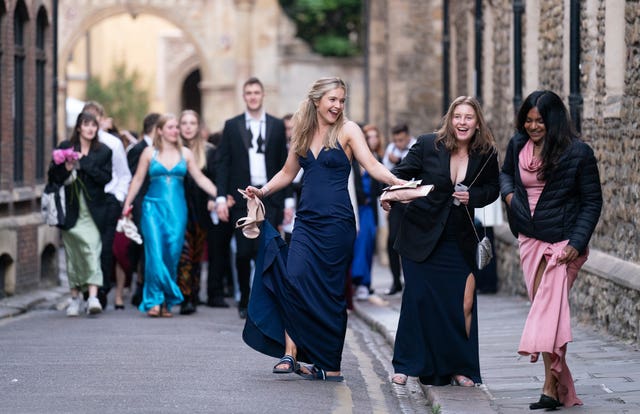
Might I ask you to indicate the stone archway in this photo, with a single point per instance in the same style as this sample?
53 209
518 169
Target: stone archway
229 43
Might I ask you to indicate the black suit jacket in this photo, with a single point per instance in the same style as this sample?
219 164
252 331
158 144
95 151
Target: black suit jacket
133 158
424 219
233 169
94 173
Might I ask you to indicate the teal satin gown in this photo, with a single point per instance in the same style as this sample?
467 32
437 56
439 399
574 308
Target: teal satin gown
163 223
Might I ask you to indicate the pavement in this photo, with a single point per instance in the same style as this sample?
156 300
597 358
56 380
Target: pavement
606 370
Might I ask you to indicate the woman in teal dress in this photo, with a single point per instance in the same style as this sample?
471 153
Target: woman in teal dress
164 213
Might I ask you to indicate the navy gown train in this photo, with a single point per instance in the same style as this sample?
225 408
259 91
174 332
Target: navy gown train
300 288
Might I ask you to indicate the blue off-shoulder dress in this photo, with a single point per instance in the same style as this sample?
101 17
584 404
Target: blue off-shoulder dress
303 291
163 223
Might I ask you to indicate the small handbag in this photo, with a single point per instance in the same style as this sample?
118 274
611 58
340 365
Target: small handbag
484 251
52 205
407 192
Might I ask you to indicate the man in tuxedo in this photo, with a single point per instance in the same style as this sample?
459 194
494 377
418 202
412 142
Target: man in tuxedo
136 251
252 150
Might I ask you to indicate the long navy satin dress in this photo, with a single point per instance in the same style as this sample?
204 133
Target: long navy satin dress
303 291
163 223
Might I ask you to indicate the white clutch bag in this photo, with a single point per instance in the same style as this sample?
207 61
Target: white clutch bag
407 192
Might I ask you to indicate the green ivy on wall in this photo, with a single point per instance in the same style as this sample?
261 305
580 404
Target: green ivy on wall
331 27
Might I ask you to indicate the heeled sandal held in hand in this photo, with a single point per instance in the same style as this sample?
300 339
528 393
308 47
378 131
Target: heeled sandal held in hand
255 216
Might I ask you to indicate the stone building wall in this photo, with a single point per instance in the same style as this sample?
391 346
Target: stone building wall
499 109
405 70
604 295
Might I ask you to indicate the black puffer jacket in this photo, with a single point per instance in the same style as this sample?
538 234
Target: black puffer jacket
570 204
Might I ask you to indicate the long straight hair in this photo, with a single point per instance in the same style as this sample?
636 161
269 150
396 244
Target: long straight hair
557 123
83 118
157 139
196 144
305 120
482 140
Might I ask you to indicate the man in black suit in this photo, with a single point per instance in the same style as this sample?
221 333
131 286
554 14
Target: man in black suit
136 251
253 149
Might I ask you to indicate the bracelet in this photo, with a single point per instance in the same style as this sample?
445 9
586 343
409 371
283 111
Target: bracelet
265 190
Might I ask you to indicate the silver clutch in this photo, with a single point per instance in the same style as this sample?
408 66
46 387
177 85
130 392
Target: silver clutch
484 254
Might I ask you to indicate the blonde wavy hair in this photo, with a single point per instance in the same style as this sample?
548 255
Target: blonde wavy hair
305 120
157 140
482 140
196 144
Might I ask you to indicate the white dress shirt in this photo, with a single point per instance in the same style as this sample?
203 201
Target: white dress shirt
392 149
120 174
257 166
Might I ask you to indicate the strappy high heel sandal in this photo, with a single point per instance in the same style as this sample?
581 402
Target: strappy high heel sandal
255 216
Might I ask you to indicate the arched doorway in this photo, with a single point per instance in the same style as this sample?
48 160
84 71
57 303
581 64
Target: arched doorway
191 97
146 42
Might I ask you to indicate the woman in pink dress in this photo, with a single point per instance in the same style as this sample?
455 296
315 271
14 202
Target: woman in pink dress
551 185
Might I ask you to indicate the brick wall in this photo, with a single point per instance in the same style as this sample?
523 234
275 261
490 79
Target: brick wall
19 201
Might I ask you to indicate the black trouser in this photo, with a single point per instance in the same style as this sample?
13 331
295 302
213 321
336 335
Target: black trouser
112 210
395 218
219 252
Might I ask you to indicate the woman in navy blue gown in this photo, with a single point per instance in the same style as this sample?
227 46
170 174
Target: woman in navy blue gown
298 305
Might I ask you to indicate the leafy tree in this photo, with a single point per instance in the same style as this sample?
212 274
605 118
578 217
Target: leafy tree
331 27
122 97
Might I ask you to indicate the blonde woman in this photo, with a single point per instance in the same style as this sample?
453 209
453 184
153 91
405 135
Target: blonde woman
164 213
198 219
311 318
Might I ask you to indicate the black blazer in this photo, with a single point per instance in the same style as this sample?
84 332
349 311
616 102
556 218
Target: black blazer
133 158
196 197
93 175
424 220
571 201
233 170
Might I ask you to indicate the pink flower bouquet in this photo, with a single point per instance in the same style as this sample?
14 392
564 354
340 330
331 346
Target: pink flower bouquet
63 155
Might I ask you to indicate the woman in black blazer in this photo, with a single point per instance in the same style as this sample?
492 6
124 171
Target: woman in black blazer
437 337
84 181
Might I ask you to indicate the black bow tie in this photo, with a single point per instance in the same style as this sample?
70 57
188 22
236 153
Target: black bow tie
260 143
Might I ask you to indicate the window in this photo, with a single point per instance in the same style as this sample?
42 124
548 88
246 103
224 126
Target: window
20 18
41 62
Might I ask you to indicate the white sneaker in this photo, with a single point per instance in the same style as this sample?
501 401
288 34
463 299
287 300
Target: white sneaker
362 293
74 307
93 306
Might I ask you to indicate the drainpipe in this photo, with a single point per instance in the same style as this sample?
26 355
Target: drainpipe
518 10
54 109
366 12
446 42
478 51
575 99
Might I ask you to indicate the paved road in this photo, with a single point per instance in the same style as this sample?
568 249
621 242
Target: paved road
123 361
